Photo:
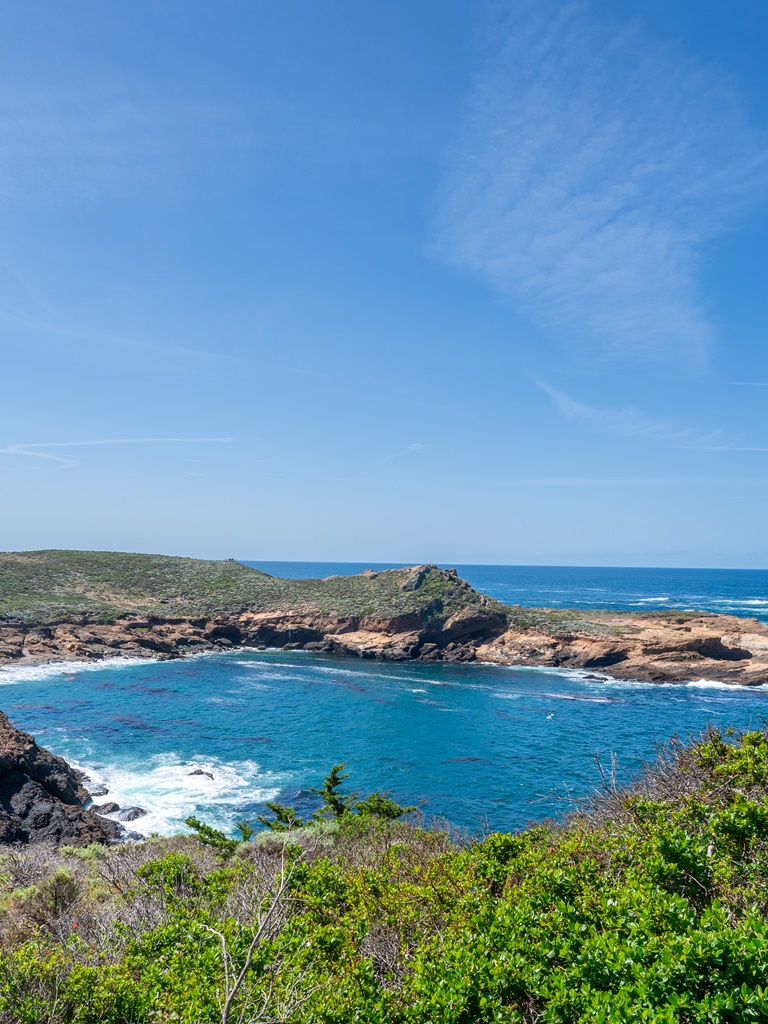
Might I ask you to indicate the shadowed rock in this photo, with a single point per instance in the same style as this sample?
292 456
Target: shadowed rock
131 813
42 799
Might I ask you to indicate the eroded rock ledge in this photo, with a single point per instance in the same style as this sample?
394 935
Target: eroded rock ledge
42 798
655 647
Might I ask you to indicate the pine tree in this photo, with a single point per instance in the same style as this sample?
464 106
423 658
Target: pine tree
334 805
285 818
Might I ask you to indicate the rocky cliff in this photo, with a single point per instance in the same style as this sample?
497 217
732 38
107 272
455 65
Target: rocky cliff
64 606
42 798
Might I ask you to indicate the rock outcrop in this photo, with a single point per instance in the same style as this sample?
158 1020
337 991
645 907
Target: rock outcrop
42 798
651 647
443 620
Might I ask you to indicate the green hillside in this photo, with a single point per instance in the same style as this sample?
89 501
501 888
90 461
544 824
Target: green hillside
57 586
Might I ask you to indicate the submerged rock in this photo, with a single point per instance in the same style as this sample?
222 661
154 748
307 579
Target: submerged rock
42 798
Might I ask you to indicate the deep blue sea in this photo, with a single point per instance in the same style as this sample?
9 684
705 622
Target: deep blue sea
481 745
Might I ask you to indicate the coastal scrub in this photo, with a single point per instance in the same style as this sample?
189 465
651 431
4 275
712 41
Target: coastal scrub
649 905
101 586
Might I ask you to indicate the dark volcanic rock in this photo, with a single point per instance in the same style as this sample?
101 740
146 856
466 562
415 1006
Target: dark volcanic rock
42 798
108 808
131 813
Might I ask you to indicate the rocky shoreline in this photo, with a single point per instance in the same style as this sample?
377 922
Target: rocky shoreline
43 799
651 647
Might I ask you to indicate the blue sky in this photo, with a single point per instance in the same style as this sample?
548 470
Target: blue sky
453 281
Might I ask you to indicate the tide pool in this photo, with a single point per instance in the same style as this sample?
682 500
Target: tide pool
481 745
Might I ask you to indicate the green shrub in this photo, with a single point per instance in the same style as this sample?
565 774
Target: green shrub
649 906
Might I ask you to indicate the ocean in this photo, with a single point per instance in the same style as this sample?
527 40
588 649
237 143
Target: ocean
480 746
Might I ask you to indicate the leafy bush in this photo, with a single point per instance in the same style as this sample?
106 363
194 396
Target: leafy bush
650 905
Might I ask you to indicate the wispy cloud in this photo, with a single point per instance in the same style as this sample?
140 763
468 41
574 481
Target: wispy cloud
594 164
34 450
23 308
721 448
417 446
627 421
104 135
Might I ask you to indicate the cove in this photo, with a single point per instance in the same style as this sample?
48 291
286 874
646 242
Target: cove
482 746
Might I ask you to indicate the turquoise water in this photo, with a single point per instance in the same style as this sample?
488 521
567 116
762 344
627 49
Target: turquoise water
481 745
478 744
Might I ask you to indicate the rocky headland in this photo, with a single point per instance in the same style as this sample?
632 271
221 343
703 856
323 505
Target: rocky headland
90 605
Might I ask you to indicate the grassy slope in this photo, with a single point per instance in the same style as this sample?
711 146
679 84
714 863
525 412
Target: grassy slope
51 586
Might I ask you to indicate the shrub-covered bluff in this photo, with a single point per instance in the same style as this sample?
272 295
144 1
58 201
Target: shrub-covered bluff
648 907
81 605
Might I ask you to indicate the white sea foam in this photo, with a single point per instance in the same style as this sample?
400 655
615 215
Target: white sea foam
169 792
717 684
214 652
268 672
584 675
580 697
10 674
590 679
730 604
555 696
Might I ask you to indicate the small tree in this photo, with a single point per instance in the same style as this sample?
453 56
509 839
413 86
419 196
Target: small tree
285 818
334 805
210 836
379 805
245 830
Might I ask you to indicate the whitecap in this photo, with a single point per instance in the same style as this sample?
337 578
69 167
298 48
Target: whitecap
584 675
581 697
718 684
10 674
